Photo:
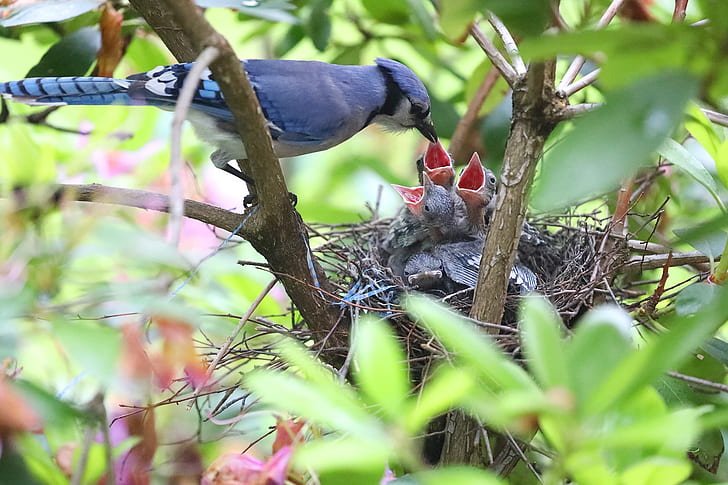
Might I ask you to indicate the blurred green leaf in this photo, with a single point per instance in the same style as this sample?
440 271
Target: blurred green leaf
390 12
54 411
423 18
44 11
613 142
272 10
294 35
444 390
542 343
601 332
668 47
345 454
657 470
381 369
665 352
693 298
700 128
717 348
469 344
678 155
27 462
79 337
73 55
522 17
454 475
318 26
711 244
708 451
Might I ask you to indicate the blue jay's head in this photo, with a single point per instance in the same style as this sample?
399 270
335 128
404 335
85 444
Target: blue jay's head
408 104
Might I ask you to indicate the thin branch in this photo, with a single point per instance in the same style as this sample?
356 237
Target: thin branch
716 386
508 42
578 61
678 14
653 261
576 110
716 117
506 70
467 122
184 101
583 82
142 199
225 348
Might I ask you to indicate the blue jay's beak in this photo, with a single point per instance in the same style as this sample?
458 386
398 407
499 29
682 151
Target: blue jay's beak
427 128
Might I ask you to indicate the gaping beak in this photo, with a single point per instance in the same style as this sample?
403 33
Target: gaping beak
427 128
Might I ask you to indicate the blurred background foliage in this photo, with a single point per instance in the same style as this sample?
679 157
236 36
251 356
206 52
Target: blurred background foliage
94 303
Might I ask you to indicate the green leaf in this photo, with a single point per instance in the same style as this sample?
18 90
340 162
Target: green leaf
603 332
469 344
318 26
522 17
656 357
614 141
700 128
625 48
542 342
456 475
44 11
708 450
423 18
73 55
54 411
293 36
657 470
381 369
81 340
339 411
678 155
271 10
445 390
347 454
390 12
693 298
718 349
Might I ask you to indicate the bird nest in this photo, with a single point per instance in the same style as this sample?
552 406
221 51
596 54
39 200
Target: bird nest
566 268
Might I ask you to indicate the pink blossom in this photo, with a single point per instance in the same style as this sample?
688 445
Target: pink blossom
236 469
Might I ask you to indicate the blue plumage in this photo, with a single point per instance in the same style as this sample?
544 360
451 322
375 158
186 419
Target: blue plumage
310 106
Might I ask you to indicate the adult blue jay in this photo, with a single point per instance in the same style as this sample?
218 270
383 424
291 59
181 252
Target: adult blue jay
310 106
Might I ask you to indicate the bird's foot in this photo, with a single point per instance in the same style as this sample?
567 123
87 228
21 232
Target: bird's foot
425 280
252 199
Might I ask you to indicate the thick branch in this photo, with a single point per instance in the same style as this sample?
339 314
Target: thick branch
533 105
142 199
274 228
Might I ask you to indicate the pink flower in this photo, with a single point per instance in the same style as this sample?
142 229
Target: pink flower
113 163
235 469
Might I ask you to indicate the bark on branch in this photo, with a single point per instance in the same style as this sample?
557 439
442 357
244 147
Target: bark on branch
534 109
274 228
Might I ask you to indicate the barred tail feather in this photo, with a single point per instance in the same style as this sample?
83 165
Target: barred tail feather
70 90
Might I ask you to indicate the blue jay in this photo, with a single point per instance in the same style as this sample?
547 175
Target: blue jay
310 106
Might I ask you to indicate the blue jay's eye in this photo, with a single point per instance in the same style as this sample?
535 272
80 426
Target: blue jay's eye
427 208
491 179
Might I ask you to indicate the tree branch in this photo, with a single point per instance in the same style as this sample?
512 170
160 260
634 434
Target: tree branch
534 103
458 142
506 70
508 42
273 228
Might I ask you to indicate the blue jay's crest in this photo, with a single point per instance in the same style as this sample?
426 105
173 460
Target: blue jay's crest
408 83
